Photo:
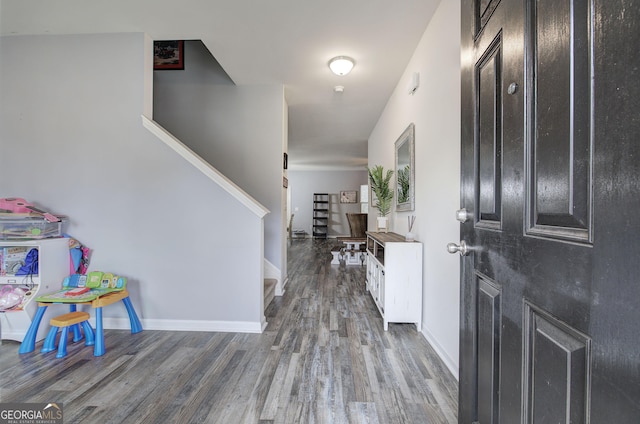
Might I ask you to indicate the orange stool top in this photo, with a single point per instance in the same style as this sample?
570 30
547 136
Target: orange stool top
69 319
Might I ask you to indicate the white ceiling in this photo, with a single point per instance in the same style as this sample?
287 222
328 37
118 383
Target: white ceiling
285 42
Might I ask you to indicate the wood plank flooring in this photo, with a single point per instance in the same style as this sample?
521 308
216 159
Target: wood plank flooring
324 358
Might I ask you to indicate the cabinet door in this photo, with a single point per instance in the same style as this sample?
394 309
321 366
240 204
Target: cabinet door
381 294
374 281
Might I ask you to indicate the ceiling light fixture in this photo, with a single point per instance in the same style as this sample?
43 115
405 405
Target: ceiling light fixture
338 88
341 65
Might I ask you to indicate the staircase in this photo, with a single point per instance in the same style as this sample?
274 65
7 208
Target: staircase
269 290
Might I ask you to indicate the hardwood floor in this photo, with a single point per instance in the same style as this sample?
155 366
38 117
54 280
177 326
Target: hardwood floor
324 358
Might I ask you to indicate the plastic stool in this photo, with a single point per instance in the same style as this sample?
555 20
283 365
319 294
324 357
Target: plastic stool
65 321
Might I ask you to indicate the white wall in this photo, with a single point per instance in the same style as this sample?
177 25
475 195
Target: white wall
284 204
303 184
72 141
435 110
237 129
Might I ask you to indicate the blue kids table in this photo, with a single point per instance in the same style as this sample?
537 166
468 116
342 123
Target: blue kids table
97 299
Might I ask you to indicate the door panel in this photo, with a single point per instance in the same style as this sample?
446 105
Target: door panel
489 140
559 155
557 361
551 175
483 10
488 319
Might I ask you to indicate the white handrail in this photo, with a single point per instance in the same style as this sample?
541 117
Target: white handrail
204 167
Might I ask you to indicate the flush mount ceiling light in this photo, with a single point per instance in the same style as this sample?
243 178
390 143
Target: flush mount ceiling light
341 65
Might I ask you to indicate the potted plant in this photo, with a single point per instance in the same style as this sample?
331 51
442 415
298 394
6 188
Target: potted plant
380 187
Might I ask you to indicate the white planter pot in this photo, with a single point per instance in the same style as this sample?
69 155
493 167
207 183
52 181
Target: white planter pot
383 223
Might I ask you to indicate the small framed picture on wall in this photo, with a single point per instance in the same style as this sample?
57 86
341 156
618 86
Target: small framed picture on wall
168 55
349 196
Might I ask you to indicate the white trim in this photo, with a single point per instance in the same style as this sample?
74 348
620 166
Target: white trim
204 167
271 271
264 323
450 363
185 325
314 168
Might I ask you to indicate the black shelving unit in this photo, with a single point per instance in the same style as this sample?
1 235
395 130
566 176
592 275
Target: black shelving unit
320 214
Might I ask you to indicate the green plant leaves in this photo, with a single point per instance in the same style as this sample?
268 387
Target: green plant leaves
380 187
403 184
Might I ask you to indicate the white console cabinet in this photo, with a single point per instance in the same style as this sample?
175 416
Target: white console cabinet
394 277
53 266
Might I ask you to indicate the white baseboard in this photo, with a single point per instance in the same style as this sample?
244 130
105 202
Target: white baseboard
451 365
186 325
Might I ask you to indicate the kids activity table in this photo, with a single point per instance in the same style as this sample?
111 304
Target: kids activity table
97 302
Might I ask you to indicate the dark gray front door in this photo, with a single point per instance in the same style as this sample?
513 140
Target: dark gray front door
550 300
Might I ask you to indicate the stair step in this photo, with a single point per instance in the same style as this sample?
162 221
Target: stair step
269 290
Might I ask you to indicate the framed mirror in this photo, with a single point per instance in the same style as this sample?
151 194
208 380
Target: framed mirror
405 170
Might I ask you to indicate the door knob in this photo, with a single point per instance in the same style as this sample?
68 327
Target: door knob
461 248
462 215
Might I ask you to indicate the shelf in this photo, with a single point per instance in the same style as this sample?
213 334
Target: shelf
53 266
320 214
